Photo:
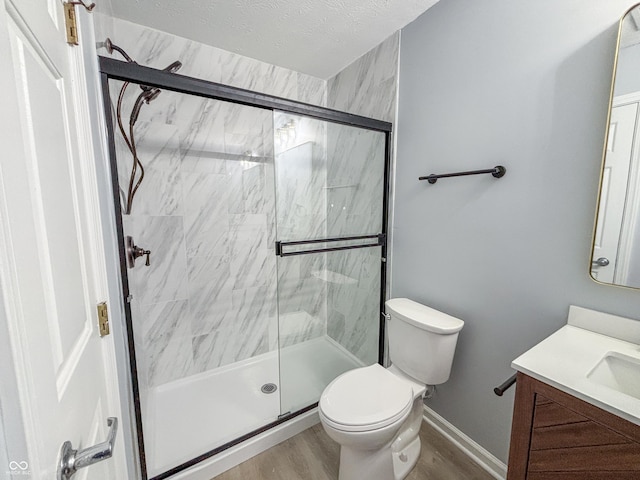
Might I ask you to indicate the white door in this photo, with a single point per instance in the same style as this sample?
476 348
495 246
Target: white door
614 191
51 262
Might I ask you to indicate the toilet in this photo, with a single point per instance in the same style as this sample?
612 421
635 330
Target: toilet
375 413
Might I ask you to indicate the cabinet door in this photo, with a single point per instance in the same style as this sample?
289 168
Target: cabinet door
556 436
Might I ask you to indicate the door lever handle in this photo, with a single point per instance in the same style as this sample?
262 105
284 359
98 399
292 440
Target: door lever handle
72 460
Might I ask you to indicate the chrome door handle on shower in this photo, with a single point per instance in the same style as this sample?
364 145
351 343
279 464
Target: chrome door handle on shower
601 262
133 252
72 460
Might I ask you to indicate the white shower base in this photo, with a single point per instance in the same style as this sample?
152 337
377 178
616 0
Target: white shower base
194 415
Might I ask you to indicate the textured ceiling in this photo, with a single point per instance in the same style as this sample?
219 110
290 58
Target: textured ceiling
317 37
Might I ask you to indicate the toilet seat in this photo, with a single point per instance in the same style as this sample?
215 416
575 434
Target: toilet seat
366 399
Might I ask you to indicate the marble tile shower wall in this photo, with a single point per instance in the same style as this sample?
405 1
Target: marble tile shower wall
366 87
369 86
206 212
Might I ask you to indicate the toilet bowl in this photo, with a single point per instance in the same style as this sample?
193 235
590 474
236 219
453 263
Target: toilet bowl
375 413
365 410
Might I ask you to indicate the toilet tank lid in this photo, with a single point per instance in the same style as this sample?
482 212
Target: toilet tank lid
424 317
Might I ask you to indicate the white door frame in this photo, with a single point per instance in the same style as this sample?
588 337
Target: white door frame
119 353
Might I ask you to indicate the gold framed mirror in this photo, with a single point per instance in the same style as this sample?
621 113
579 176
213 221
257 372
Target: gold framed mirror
615 252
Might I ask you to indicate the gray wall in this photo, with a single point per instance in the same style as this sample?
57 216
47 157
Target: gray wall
524 84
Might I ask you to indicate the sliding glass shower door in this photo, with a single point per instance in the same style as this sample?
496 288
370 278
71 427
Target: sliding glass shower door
196 190
252 243
330 190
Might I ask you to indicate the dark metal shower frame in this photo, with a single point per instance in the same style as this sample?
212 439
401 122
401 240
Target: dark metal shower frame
111 69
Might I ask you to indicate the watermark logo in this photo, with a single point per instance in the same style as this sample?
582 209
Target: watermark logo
18 468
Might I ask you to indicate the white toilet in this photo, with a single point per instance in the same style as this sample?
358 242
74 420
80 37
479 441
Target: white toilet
375 413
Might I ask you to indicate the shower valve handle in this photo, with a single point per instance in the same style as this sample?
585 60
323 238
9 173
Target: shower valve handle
140 252
133 252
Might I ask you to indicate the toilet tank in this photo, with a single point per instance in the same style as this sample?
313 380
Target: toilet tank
422 340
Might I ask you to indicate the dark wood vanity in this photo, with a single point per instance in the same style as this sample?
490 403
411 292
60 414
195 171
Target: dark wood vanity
556 436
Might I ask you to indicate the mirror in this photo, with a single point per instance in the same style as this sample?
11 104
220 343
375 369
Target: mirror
615 255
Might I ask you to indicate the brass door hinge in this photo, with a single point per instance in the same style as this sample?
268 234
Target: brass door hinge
71 26
103 319
70 20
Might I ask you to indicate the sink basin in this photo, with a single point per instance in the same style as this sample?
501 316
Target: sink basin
619 372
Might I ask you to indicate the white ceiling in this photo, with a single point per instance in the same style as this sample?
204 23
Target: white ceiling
317 37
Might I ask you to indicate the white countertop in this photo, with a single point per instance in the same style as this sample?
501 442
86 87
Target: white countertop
564 359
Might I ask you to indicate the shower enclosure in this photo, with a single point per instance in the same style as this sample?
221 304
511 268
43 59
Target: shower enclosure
252 255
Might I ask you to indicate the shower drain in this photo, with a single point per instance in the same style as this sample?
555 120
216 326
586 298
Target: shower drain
268 388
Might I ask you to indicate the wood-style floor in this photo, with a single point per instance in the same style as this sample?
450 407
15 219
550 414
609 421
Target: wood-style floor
312 455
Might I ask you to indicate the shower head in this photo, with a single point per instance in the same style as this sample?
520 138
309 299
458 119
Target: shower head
135 111
147 96
150 93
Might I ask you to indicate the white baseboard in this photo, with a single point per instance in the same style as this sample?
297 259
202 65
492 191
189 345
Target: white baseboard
475 452
242 452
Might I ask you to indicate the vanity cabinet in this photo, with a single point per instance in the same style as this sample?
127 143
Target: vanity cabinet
556 436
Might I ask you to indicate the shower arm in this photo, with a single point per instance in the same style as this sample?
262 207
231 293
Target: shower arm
110 46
